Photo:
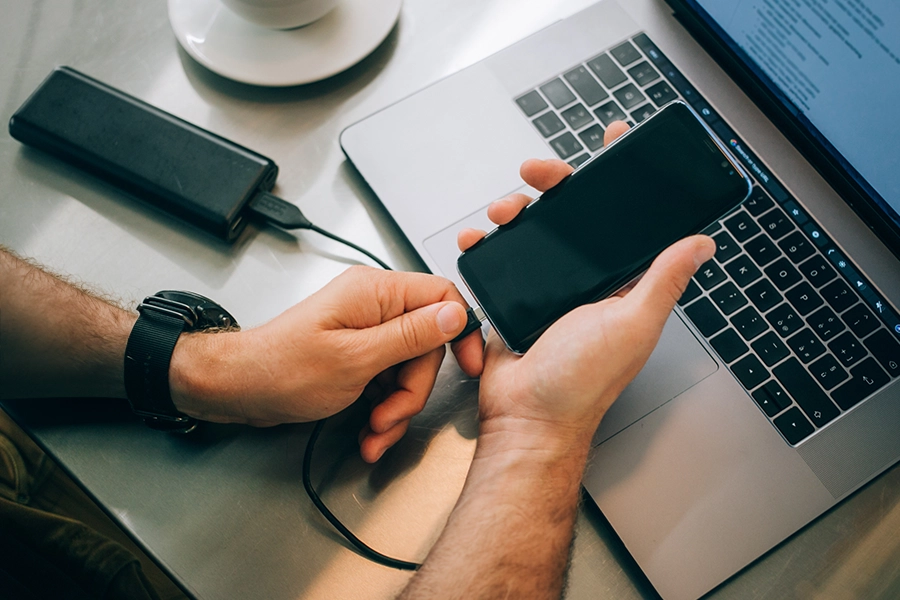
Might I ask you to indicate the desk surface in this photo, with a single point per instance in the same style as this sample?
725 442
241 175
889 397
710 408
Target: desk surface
226 512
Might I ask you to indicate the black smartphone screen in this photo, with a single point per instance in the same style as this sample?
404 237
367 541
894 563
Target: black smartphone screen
599 228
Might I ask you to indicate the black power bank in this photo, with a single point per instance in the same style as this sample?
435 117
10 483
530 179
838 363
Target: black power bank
165 161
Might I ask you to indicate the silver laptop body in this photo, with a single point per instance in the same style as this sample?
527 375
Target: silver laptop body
698 476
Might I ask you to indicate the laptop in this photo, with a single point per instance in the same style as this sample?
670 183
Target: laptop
773 392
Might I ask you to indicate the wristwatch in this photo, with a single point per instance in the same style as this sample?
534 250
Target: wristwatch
164 316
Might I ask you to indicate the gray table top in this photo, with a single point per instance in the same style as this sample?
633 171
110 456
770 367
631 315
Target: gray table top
226 513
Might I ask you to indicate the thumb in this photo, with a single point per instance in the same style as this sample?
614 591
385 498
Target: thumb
414 333
666 279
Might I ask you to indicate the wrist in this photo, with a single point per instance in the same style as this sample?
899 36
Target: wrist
542 439
201 373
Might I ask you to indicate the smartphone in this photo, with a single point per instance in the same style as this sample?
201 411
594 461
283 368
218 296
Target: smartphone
601 227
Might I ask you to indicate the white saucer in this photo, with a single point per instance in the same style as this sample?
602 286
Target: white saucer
235 48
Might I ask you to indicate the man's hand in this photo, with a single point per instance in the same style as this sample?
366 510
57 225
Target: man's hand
565 383
372 331
511 530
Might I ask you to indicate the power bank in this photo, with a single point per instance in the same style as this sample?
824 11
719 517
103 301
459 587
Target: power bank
193 174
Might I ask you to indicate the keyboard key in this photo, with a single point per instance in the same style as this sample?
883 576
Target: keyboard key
628 96
817 270
825 323
839 295
548 124
606 71
795 213
643 73
726 247
763 295
860 320
705 316
771 398
828 372
776 223
566 145
784 320
796 247
586 86
709 275
885 348
712 228
782 273
806 346
749 371
577 116
625 53
610 112
579 160
727 298
748 323
803 389
642 113
758 202
847 349
729 345
804 298
742 226
691 291
770 349
793 426
531 103
762 250
557 93
865 378
661 93
742 270
592 137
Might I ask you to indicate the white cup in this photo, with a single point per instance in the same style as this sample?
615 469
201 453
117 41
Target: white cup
281 14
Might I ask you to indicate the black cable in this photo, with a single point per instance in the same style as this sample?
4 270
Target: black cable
287 216
327 234
364 549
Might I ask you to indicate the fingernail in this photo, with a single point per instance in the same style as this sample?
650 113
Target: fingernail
704 252
448 319
380 454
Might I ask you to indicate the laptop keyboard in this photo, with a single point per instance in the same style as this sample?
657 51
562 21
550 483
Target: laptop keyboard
797 324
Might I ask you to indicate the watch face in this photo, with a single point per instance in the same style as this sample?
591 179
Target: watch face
208 314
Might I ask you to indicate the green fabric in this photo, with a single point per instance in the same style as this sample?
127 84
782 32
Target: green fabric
52 556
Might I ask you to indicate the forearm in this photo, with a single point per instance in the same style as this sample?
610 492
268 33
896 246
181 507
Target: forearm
510 532
57 340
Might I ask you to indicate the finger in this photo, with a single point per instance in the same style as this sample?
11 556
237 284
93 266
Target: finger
411 334
414 383
467 238
666 279
469 353
544 174
615 129
374 445
506 209
363 297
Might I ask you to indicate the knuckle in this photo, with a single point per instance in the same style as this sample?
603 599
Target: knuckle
411 333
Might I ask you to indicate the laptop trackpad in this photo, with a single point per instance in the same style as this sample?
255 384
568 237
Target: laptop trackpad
677 363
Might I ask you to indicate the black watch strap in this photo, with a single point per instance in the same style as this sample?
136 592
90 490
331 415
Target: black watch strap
163 318
147 358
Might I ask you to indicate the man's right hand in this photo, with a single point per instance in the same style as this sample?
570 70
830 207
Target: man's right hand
568 379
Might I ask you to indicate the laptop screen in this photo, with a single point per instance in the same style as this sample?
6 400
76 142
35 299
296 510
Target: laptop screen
834 65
